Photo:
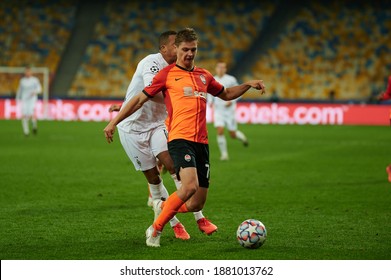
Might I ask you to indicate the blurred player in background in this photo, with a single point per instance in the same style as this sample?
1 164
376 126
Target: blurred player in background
185 87
143 135
386 95
224 112
388 170
27 94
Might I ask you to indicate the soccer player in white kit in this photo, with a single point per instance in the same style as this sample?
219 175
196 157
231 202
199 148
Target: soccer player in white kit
143 134
27 94
224 112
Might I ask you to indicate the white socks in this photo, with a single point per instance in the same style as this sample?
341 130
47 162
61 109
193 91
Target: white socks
222 143
241 136
159 191
25 125
198 215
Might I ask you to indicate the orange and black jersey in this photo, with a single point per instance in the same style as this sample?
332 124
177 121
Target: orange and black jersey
185 97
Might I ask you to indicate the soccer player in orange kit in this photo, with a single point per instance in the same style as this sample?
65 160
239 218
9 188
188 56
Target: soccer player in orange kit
184 87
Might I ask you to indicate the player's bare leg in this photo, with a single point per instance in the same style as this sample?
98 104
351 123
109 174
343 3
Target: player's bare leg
158 191
25 125
160 166
189 198
196 201
167 161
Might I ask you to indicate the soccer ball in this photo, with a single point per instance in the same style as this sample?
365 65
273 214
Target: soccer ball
251 234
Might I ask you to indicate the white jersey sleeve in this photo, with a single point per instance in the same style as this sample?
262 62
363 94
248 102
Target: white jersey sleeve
150 69
151 114
227 81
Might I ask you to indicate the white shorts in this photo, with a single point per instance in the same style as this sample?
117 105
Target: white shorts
27 107
142 148
225 119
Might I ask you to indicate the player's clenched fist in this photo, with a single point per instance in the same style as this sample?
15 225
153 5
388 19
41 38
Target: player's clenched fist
114 108
258 84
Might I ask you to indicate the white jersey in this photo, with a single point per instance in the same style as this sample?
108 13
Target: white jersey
28 89
151 114
220 104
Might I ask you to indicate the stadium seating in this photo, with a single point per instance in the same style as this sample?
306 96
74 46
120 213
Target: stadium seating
126 33
330 46
35 34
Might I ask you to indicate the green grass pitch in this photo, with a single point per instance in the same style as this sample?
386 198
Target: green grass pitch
321 191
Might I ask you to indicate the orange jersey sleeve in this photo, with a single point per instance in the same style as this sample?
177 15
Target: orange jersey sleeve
185 98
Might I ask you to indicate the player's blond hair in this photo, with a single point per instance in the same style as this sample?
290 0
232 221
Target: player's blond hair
186 35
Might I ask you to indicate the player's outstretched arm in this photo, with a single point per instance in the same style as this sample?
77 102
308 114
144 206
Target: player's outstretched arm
237 91
132 106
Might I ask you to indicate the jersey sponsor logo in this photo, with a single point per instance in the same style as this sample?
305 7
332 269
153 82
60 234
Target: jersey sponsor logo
177 79
188 91
203 80
200 94
187 157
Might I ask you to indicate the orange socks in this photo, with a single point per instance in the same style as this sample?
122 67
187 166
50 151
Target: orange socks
182 209
388 169
171 207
